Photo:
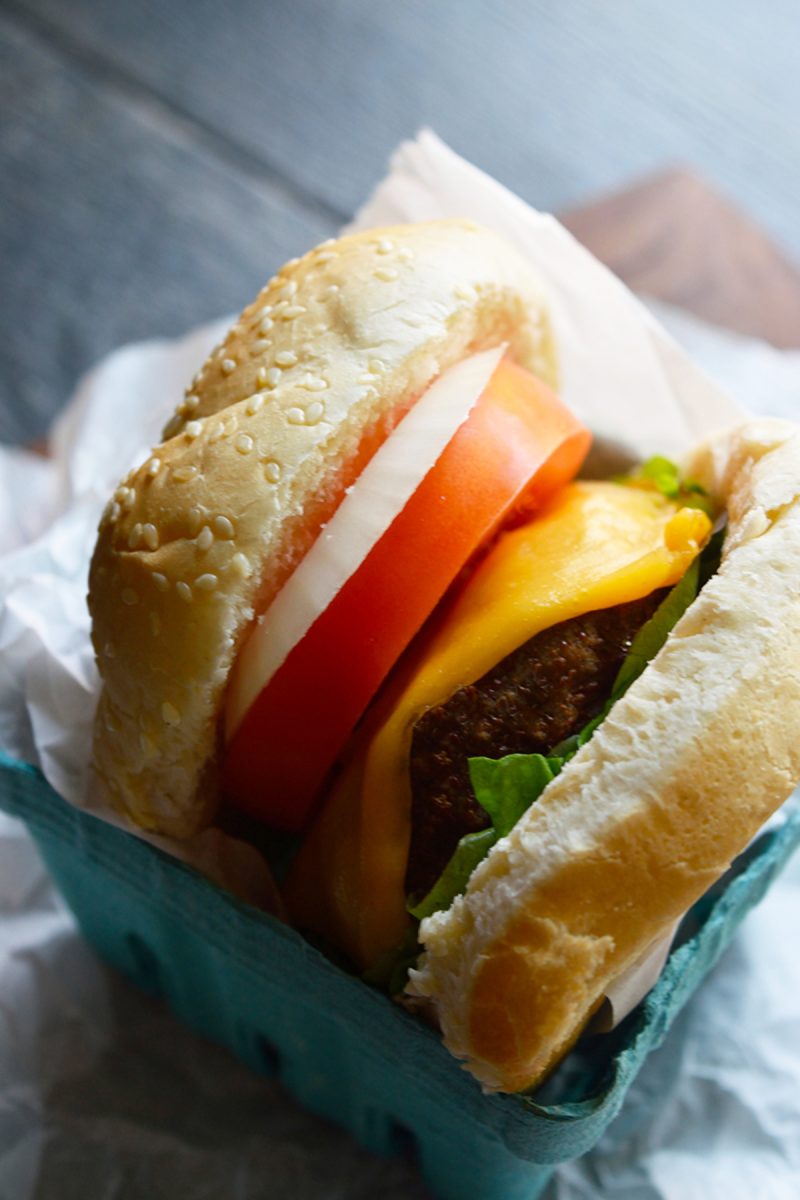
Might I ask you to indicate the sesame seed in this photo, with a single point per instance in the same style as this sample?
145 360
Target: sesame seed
319 329
292 311
109 650
272 471
191 402
287 266
463 293
129 500
384 246
288 290
173 425
266 325
296 416
286 358
114 511
228 365
314 383
135 536
184 474
193 429
386 274
183 590
170 714
331 241
197 516
223 527
207 582
204 539
230 426
406 254
244 443
261 345
161 581
146 744
376 365
150 535
215 432
367 377
199 377
129 596
153 467
254 404
272 377
241 564
265 311
314 412
332 290
326 256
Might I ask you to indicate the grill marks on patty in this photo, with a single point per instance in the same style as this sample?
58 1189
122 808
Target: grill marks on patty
543 692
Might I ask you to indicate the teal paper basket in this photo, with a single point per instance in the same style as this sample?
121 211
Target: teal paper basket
342 1049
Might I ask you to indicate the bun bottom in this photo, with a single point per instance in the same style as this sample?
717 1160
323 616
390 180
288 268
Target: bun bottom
700 751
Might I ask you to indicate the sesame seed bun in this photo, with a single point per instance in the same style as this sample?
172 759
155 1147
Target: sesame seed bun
197 541
703 747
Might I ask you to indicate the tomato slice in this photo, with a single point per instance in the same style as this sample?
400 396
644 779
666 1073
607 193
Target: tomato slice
518 444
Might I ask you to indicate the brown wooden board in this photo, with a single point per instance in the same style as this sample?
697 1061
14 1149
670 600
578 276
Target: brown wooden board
672 236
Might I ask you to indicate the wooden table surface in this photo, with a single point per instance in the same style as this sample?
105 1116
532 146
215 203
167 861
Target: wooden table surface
675 238
158 161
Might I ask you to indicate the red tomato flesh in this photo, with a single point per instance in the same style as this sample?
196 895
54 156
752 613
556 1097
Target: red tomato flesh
518 445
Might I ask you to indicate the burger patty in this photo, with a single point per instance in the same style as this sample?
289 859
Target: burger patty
543 692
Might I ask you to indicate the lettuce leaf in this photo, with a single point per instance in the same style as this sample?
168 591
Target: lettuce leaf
504 788
653 634
662 475
390 971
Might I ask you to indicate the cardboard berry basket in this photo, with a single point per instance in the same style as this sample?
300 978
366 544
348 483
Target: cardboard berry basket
341 1048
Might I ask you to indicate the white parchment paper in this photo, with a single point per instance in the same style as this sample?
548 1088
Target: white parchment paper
90 1104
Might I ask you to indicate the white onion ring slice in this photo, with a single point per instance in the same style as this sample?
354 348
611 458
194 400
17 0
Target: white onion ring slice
379 494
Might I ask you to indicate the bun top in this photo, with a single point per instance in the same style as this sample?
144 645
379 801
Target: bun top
197 540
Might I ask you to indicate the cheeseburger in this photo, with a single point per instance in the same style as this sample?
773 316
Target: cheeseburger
517 722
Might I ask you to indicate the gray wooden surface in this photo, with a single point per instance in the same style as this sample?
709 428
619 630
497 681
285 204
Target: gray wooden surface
157 160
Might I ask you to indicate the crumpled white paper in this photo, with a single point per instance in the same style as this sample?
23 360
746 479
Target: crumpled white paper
89 1106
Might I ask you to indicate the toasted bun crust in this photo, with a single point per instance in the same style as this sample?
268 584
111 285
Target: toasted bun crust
198 540
693 759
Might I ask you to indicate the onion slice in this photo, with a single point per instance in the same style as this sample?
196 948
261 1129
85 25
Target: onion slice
379 494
